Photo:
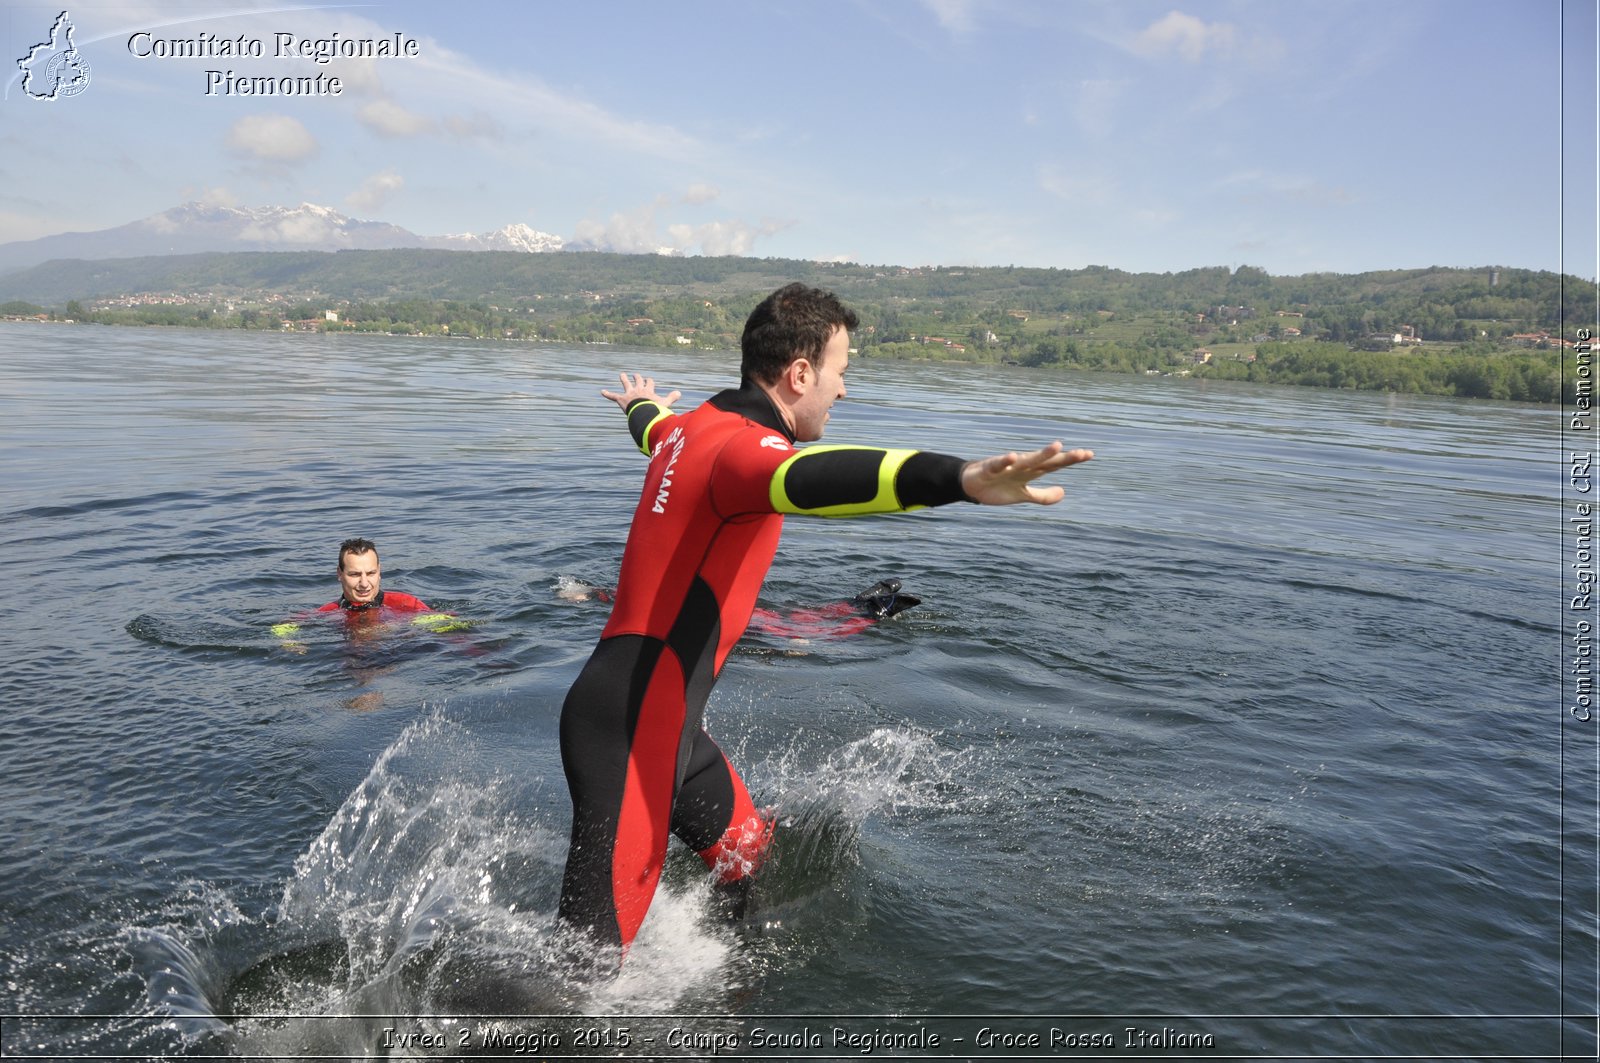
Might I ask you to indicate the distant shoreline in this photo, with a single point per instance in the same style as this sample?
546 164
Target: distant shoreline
1236 371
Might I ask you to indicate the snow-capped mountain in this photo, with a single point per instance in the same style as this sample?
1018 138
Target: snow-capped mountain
197 227
514 237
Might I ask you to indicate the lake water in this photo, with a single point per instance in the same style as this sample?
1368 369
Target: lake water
1254 746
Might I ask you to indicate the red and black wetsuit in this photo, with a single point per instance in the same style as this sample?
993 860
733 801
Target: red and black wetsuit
637 760
395 600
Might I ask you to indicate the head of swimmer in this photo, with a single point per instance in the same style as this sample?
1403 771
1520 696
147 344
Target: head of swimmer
360 574
796 348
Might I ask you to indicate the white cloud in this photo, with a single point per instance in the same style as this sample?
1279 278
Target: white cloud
456 85
631 233
388 119
357 76
721 237
271 138
211 197
454 77
637 232
392 120
953 15
701 193
1186 36
293 228
376 190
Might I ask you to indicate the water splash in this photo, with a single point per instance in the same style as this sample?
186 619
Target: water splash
890 771
822 808
431 891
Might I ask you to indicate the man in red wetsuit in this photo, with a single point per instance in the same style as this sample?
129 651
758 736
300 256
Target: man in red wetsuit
720 480
361 579
363 599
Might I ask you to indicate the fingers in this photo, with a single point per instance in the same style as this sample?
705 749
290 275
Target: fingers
636 386
1008 478
999 464
1066 458
631 389
1055 456
1037 463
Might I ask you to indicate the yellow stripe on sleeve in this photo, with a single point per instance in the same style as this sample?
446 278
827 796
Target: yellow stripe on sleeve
643 415
839 481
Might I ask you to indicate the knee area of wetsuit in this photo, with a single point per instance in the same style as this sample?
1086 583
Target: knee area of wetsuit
741 849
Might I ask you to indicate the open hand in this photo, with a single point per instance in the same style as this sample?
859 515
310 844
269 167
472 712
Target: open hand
1006 479
634 387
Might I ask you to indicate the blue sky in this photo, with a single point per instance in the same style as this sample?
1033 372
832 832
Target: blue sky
1295 135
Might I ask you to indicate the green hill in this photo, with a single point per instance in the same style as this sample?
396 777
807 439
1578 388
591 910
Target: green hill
1395 329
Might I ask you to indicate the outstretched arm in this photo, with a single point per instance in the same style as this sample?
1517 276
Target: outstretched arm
1006 479
635 387
645 408
844 481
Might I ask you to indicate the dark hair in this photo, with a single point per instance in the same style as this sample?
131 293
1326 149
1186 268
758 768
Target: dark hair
356 546
793 322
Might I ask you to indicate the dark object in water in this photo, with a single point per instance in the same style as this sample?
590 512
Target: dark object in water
884 599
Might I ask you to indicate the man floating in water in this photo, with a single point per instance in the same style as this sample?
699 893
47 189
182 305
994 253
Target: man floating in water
362 598
721 479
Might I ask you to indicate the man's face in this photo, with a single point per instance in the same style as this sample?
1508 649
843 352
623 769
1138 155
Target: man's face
360 576
826 387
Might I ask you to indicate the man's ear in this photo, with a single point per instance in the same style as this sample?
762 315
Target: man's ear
799 374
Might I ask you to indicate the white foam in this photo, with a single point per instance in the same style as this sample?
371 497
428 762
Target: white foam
441 890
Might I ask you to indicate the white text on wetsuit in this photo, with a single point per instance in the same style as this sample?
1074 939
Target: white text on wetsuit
675 441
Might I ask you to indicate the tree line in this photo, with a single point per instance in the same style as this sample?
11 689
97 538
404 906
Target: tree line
1310 330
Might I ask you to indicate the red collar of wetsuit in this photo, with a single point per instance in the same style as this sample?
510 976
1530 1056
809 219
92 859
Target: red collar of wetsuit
352 607
753 404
